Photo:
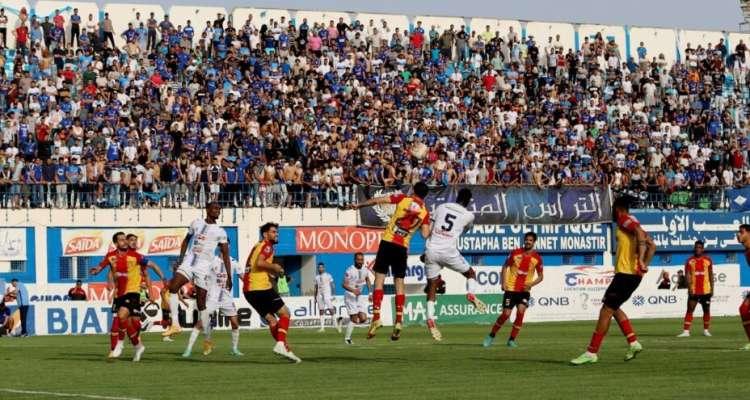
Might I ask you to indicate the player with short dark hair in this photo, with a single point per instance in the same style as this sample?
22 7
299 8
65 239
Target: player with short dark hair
449 222
127 268
522 271
743 236
410 214
204 238
635 249
259 291
356 278
699 273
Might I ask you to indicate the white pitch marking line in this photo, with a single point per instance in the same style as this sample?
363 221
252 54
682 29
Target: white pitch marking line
87 396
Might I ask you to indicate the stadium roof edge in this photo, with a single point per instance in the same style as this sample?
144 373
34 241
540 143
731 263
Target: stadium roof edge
728 12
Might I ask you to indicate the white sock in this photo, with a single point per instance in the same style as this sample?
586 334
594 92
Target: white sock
193 337
235 338
174 306
205 317
430 309
322 320
471 286
349 330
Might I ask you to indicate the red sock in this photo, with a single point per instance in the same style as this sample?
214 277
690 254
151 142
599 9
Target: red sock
274 328
400 300
377 300
516 325
596 342
115 333
627 331
688 321
134 331
706 320
498 324
745 315
282 329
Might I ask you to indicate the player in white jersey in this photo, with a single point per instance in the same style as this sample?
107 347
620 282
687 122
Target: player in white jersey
219 299
324 289
449 222
356 278
197 253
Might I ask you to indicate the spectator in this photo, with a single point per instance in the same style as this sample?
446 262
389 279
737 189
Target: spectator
77 293
21 295
6 322
664 281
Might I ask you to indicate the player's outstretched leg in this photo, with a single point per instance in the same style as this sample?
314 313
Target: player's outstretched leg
490 338
471 289
193 338
375 324
400 300
602 326
115 341
282 347
134 332
627 330
178 280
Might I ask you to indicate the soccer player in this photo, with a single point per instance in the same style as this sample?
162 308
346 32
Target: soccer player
324 288
355 279
522 271
219 299
259 292
127 267
197 254
699 272
449 221
743 236
635 249
410 214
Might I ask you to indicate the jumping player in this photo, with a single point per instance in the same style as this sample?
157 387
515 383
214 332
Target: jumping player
522 271
127 267
324 289
410 214
743 236
355 279
449 221
635 249
197 254
699 272
219 299
259 292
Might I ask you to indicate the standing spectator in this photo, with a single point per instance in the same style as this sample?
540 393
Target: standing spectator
75 28
77 293
108 30
21 296
3 26
6 322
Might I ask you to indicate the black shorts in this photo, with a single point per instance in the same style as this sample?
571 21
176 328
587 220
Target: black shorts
391 256
702 299
131 301
264 301
513 299
620 289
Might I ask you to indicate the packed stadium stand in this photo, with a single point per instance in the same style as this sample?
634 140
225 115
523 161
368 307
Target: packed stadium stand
131 106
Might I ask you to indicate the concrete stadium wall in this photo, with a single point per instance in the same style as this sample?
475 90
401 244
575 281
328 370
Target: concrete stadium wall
657 41
543 30
122 13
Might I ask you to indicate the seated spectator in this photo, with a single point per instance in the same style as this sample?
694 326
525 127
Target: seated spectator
77 293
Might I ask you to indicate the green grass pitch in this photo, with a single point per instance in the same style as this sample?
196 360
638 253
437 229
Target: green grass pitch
413 368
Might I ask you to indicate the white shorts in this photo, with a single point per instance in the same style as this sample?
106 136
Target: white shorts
437 260
198 273
224 304
355 304
324 302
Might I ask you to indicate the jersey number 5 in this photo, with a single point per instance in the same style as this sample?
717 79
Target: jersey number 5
448 225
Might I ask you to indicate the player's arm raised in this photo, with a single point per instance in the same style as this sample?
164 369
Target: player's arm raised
104 263
372 202
152 265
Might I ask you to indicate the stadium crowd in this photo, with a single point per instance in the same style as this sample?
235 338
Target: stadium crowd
278 113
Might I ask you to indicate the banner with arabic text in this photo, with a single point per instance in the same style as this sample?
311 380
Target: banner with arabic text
512 205
678 231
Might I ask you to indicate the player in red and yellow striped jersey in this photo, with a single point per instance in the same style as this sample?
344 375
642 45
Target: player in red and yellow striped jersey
635 249
522 271
699 272
259 291
743 236
410 214
127 268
